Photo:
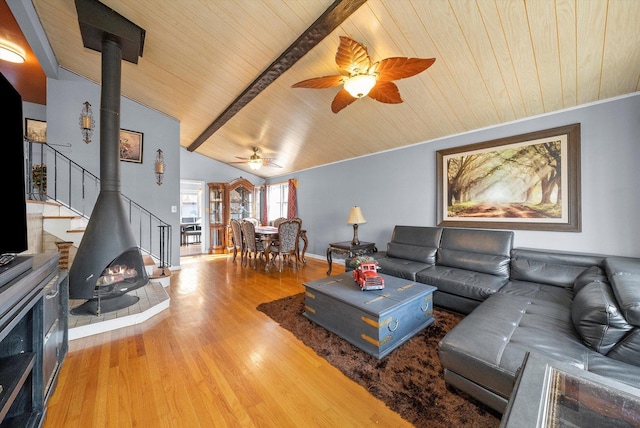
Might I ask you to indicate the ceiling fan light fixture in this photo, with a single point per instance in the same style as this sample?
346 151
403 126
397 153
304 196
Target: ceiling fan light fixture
11 54
360 85
255 162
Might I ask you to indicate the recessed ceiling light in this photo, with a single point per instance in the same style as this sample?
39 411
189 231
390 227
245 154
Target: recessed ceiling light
11 54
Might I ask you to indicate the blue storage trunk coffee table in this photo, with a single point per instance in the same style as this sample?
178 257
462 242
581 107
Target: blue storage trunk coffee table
376 321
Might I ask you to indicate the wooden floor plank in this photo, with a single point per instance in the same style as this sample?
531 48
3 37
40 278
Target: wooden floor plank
211 359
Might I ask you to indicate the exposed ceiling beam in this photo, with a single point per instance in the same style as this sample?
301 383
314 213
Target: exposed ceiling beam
321 28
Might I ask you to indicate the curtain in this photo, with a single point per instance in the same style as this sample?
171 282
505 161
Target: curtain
292 201
264 218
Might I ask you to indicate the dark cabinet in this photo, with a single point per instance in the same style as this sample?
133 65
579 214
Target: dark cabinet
33 340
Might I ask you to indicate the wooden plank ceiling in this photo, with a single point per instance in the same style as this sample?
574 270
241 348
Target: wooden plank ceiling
496 61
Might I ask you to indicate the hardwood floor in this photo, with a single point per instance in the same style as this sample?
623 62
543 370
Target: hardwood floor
211 360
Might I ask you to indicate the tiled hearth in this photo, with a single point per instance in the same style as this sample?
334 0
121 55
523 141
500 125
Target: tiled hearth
153 300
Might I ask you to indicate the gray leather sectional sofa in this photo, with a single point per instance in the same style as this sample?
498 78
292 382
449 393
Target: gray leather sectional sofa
579 308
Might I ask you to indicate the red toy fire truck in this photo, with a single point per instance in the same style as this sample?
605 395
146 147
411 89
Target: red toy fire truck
366 275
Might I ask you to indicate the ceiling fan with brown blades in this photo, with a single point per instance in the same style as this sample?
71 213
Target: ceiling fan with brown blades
255 162
361 77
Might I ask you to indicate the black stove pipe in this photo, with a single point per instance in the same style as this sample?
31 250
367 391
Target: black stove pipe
110 116
108 234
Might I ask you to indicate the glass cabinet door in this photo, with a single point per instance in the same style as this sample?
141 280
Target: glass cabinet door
241 203
216 205
217 220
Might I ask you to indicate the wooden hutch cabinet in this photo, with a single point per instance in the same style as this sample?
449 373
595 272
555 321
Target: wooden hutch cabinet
234 200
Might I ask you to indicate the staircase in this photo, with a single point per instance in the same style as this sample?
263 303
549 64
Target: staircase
65 200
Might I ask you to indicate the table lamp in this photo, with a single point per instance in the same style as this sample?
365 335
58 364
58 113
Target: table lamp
355 218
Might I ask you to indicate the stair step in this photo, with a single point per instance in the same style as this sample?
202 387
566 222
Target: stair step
157 273
61 217
76 230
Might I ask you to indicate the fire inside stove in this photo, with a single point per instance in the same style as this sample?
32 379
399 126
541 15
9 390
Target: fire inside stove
124 274
115 274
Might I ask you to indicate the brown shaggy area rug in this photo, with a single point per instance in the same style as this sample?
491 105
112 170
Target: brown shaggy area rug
409 380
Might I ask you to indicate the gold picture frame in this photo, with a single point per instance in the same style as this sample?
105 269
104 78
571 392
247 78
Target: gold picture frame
529 181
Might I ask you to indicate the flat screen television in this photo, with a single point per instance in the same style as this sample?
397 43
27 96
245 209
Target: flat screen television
13 239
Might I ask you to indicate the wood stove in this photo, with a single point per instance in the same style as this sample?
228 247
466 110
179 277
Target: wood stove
108 263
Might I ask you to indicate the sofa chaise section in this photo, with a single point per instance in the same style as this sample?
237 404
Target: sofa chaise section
577 308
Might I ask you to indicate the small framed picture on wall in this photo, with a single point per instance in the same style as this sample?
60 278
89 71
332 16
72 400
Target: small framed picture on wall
36 130
130 146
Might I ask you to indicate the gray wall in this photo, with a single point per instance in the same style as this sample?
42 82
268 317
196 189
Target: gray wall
399 186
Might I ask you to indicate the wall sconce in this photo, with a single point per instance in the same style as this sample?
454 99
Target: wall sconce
159 167
355 218
86 122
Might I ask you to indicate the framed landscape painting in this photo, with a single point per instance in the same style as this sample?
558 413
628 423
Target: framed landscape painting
529 181
130 146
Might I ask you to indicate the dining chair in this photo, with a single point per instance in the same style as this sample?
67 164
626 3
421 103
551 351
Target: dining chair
277 221
252 245
299 220
237 239
287 244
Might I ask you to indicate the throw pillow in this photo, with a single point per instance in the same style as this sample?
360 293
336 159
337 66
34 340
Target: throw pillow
597 318
593 274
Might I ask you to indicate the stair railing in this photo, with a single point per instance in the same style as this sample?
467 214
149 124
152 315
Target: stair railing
52 175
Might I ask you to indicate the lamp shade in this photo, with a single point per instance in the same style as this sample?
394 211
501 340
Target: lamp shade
355 216
255 161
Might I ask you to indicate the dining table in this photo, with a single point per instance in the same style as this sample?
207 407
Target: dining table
269 234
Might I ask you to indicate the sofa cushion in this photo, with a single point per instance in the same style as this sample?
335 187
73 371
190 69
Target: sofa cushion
597 318
623 371
417 235
483 263
559 268
412 252
624 274
592 274
401 268
534 290
628 349
545 273
484 251
497 242
461 282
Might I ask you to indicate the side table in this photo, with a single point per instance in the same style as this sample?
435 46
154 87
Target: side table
348 248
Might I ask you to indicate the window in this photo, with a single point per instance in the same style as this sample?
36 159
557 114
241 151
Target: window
277 200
